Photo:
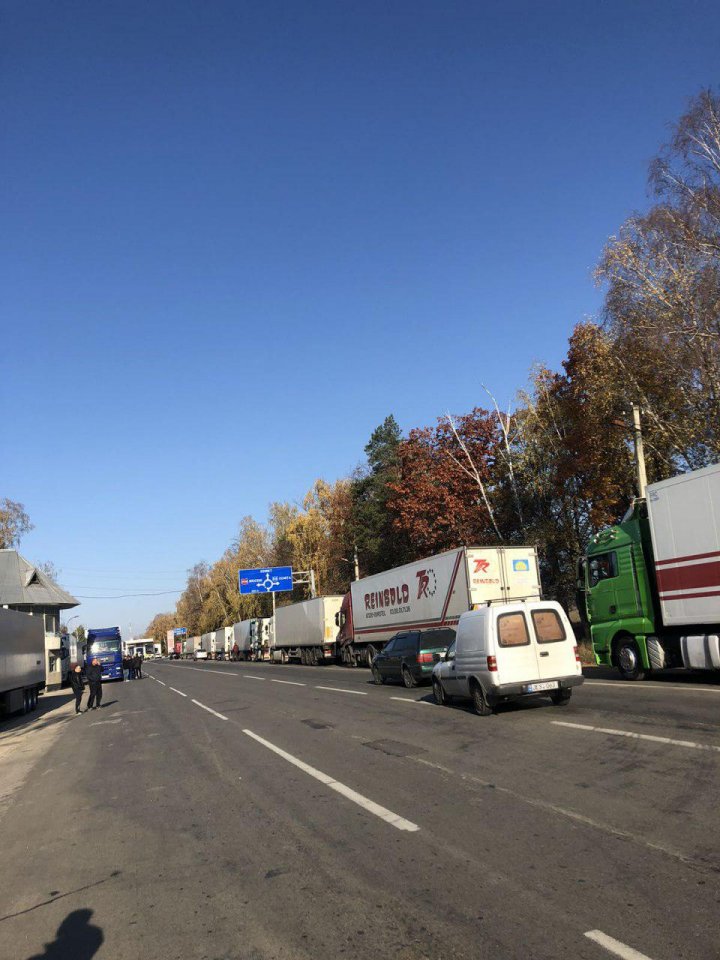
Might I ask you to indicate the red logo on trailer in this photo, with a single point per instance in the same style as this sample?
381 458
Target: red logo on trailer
481 565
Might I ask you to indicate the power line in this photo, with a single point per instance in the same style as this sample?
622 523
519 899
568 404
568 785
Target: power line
122 596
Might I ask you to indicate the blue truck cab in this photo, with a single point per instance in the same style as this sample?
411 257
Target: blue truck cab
105 645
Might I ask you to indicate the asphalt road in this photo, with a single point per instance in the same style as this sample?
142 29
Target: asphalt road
263 811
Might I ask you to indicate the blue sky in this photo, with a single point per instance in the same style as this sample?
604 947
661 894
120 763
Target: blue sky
237 235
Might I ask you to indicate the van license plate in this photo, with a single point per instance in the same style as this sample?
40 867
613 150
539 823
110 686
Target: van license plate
546 685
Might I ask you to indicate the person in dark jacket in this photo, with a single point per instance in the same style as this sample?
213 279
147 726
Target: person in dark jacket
94 677
78 686
127 665
137 667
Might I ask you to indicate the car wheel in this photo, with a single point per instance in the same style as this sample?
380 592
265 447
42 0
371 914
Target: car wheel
560 697
439 693
480 702
370 655
377 676
408 679
629 662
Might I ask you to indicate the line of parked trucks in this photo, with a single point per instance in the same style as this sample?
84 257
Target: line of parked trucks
648 590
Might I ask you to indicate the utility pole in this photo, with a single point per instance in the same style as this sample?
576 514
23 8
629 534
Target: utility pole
356 562
639 451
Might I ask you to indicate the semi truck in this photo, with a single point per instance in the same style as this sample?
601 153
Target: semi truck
650 586
306 631
192 644
22 661
262 638
222 643
241 642
105 645
431 594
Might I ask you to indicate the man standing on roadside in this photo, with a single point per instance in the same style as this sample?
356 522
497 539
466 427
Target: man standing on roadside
94 676
137 666
78 686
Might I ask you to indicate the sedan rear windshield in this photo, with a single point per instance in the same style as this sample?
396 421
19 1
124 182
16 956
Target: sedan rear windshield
548 626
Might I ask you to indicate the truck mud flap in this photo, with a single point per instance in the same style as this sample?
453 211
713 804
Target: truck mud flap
656 653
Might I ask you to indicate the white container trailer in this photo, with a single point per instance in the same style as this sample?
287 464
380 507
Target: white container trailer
241 643
432 593
684 515
223 641
192 644
306 631
205 642
262 638
22 661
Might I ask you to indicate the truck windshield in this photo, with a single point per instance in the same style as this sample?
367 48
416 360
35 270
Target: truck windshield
105 646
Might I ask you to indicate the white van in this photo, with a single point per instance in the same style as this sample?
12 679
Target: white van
509 650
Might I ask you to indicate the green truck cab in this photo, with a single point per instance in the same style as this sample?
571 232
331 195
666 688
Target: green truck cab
616 592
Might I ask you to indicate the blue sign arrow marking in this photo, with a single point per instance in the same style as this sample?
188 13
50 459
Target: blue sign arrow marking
265 580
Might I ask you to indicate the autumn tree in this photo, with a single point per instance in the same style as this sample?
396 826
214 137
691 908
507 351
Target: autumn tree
437 501
662 306
14 523
159 626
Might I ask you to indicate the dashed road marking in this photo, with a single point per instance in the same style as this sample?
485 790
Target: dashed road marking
400 823
249 676
615 946
292 683
408 700
209 710
358 693
689 744
174 690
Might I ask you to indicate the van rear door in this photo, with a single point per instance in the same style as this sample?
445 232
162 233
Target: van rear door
555 643
516 652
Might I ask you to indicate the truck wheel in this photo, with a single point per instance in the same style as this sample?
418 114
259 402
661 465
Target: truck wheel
377 676
439 693
560 697
370 654
408 678
479 701
628 661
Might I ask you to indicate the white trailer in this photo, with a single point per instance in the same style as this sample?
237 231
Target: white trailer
192 644
306 631
242 640
432 593
223 641
262 638
22 661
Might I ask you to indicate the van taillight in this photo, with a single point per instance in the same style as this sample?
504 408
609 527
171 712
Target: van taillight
492 664
577 655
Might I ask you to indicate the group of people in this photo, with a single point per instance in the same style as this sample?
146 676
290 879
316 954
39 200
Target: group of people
132 670
93 675
132 666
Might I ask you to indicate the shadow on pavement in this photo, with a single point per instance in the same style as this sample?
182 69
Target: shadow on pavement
45 714
76 939
706 678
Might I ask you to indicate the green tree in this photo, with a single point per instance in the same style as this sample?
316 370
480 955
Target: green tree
380 546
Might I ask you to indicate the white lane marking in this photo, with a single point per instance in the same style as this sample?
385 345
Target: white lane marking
249 676
409 700
359 693
690 744
209 709
292 683
178 691
615 946
625 685
400 823
160 681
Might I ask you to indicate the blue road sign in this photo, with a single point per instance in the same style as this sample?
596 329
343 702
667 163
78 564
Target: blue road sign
265 580
180 631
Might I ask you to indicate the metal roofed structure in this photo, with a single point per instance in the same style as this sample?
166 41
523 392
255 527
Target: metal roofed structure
24 586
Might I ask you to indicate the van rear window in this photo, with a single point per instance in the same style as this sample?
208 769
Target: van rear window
548 626
512 630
